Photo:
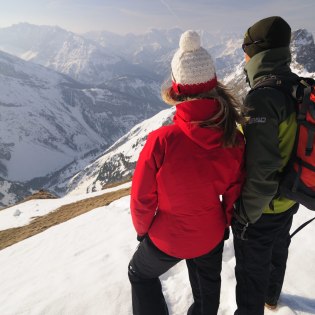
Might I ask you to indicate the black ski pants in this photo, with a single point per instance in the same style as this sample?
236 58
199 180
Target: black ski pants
261 262
148 263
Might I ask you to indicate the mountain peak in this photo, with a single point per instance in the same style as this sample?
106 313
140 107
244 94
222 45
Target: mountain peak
303 49
302 37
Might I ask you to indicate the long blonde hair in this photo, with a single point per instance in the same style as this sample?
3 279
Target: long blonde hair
226 119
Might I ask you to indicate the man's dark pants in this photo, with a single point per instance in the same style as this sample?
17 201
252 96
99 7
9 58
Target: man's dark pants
148 263
261 262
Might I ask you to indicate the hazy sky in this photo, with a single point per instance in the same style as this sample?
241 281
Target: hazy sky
123 16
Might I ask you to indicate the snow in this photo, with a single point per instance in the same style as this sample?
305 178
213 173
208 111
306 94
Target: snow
9 198
29 55
239 70
231 46
303 38
302 72
80 268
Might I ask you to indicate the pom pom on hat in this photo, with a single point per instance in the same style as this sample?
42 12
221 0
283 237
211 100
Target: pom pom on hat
189 41
193 71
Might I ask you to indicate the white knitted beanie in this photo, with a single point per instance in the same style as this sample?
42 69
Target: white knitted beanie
193 70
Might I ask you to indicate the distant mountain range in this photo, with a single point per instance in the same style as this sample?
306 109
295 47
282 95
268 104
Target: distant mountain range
78 57
72 97
97 57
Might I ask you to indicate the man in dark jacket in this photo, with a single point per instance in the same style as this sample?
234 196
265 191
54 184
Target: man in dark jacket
263 218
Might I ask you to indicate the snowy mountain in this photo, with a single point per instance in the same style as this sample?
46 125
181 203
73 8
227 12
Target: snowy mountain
303 49
103 57
49 120
155 48
42 123
68 53
152 50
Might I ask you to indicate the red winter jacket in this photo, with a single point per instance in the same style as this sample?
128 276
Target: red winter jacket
181 174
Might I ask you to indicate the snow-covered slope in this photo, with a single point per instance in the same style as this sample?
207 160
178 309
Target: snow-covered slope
118 162
80 268
42 127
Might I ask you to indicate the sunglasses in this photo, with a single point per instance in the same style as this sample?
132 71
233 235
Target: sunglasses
252 43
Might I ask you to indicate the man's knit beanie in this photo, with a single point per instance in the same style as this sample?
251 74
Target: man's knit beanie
268 33
193 71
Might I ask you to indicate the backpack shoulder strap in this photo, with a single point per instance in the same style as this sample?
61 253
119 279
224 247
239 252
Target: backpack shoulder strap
277 82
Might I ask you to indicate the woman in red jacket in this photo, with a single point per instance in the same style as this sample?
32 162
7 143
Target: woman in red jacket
187 178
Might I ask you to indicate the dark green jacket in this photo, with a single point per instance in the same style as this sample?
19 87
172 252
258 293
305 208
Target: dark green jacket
269 133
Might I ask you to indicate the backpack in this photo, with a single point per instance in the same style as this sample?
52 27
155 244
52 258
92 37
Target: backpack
298 180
